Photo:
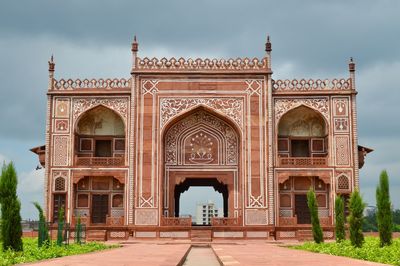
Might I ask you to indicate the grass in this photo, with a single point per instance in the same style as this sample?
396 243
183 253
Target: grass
370 251
33 253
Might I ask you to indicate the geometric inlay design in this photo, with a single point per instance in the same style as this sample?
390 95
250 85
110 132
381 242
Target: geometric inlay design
342 150
146 217
256 217
343 182
60 154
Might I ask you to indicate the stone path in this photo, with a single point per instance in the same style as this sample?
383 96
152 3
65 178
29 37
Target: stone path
272 254
146 254
230 253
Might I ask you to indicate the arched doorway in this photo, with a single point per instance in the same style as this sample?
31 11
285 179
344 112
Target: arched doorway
201 148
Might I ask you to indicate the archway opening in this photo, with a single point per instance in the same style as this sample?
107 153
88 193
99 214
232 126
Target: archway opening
203 198
302 135
100 138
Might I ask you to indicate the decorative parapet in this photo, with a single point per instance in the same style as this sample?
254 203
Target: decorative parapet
181 64
311 85
77 84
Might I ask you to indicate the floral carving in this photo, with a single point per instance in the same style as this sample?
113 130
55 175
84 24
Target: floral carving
119 105
232 107
202 152
180 64
284 105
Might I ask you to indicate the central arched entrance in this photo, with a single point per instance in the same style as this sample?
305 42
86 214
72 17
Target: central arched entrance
201 148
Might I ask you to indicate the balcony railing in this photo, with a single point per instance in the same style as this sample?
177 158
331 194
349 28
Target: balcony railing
303 161
217 221
176 221
100 161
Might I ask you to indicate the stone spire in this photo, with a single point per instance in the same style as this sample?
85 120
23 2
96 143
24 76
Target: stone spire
52 66
352 70
352 65
134 49
268 45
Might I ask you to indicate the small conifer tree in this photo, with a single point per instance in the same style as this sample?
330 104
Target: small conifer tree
313 206
78 231
11 228
384 210
43 237
356 217
60 226
339 219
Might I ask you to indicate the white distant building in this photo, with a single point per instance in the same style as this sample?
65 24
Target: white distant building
204 212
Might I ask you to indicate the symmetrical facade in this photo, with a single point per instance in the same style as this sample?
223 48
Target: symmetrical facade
119 152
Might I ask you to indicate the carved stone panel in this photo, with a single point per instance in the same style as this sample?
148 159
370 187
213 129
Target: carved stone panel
62 107
60 153
342 150
256 217
201 138
146 217
119 105
284 105
171 107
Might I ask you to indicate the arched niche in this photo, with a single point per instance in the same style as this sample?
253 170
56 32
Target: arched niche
302 132
100 121
100 132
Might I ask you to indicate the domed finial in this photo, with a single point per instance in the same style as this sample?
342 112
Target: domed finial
268 45
135 45
352 65
51 64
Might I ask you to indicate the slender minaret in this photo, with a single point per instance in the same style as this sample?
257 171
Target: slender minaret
269 148
134 49
268 49
52 66
352 70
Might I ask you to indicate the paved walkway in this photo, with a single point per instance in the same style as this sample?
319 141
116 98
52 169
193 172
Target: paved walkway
230 253
271 254
146 254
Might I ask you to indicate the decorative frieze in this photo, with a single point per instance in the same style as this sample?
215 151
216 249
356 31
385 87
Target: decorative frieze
310 85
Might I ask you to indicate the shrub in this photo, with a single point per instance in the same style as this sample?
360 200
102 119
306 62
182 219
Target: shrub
356 208
339 219
384 210
313 206
11 228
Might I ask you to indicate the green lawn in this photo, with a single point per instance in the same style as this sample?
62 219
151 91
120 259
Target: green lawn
370 250
33 253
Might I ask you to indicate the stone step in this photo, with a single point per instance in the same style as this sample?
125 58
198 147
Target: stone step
201 235
96 235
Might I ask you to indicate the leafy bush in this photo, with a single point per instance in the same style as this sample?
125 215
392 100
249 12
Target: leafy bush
11 228
384 210
313 206
339 219
33 253
371 250
356 207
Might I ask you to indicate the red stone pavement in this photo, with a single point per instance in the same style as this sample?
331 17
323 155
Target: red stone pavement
263 253
229 253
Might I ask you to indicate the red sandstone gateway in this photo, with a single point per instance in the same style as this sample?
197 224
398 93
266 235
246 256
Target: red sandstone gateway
119 152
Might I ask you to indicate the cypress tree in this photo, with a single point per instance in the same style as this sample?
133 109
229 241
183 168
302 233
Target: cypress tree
356 217
43 237
313 206
339 219
60 226
11 228
384 210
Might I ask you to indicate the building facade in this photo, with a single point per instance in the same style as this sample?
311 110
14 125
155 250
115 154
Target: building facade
119 152
205 212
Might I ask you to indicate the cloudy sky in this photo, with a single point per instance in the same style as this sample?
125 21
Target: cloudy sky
91 38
